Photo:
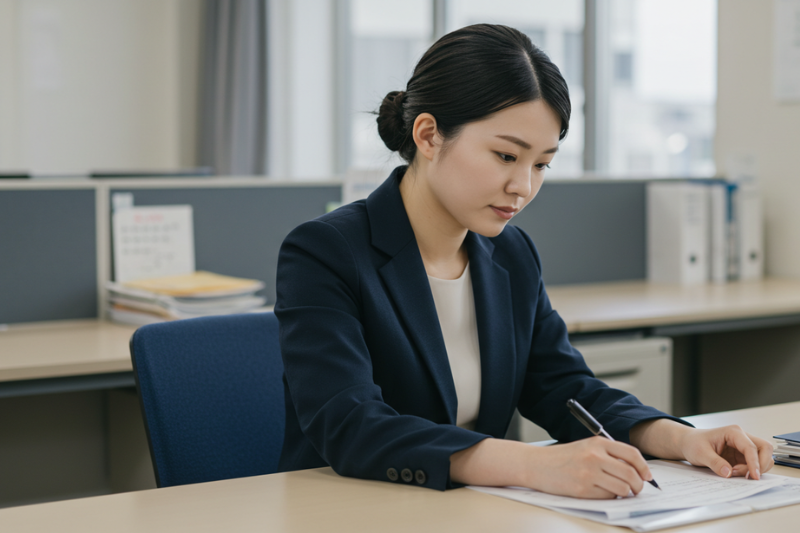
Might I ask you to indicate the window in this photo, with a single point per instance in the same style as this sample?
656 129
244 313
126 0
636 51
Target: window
651 94
661 90
387 41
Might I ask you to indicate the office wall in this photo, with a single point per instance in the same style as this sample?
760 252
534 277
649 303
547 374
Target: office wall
751 122
93 84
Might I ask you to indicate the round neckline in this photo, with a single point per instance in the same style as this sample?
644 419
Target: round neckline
460 278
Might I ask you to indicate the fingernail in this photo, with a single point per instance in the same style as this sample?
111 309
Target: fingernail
758 473
747 475
726 472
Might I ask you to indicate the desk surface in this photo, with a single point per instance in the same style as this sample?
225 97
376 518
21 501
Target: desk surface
319 500
59 349
639 304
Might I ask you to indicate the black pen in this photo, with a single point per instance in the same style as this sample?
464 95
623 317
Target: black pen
585 418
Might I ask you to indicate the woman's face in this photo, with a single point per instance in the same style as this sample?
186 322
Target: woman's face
495 167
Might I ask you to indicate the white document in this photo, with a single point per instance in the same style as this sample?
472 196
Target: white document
153 242
786 62
689 494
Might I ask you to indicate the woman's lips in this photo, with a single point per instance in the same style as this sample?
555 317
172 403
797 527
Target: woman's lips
504 212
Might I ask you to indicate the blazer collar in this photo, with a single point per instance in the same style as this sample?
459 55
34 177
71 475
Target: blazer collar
407 282
389 225
494 314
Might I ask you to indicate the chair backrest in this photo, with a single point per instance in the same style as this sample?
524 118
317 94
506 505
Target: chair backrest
211 391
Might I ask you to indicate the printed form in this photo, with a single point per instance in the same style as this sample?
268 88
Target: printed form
683 487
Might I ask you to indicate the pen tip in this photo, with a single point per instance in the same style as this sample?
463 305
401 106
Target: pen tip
653 482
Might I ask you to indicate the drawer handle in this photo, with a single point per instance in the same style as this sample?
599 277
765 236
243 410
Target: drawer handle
626 380
620 374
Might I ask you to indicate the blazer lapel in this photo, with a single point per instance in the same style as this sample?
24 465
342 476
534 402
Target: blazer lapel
405 278
493 309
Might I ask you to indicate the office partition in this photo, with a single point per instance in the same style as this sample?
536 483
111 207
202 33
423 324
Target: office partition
48 259
588 231
238 231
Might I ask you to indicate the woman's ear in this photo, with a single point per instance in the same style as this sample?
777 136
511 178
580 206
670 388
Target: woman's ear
426 136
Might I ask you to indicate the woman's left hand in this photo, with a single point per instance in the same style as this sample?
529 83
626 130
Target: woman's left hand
728 451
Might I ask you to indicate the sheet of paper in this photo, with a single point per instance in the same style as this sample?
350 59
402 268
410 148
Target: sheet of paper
682 486
769 499
152 242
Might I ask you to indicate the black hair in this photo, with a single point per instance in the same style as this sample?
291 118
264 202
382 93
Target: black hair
467 75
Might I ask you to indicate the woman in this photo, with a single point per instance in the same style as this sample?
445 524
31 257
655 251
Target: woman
415 322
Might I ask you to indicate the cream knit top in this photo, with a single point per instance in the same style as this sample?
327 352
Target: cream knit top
455 305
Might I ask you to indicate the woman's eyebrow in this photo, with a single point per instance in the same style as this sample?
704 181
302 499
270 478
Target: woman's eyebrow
515 140
520 142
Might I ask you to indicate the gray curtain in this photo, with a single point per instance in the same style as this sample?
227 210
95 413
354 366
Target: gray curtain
233 91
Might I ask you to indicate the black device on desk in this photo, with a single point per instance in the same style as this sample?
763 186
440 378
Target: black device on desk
787 452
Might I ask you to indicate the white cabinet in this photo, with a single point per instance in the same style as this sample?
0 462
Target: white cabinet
640 366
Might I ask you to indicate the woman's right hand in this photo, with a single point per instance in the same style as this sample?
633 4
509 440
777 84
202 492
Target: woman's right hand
590 468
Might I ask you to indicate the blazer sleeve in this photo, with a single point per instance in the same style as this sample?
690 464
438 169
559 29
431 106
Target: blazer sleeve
557 372
328 369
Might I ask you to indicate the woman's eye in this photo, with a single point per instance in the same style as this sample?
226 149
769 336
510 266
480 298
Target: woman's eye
542 166
506 158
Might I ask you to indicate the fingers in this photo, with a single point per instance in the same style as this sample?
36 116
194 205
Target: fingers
741 441
628 478
616 486
765 450
604 469
720 466
632 457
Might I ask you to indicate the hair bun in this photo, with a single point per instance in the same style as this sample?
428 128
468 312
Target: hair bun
391 125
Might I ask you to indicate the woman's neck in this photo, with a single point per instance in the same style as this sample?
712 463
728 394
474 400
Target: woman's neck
439 236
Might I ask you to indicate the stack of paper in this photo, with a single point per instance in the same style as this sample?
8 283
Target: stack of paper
689 495
787 449
186 296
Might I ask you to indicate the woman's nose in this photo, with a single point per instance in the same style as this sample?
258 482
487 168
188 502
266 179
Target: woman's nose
520 183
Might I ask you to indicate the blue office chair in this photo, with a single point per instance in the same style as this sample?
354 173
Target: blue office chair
211 391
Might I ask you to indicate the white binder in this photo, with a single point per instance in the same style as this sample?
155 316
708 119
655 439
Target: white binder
718 231
750 222
677 232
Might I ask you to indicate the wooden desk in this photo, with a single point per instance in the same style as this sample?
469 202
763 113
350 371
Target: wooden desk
639 304
319 500
64 356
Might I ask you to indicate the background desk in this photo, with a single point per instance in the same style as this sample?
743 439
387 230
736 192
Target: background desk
70 419
734 346
319 500
75 355
676 309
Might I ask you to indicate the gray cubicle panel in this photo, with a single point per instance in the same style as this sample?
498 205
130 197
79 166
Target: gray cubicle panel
588 232
238 231
48 255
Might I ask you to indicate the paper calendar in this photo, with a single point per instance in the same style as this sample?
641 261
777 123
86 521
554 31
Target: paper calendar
152 241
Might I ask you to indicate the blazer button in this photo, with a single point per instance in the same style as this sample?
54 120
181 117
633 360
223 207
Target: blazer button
392 474
420 477
406 475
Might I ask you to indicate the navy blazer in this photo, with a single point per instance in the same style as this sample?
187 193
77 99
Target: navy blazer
368 384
